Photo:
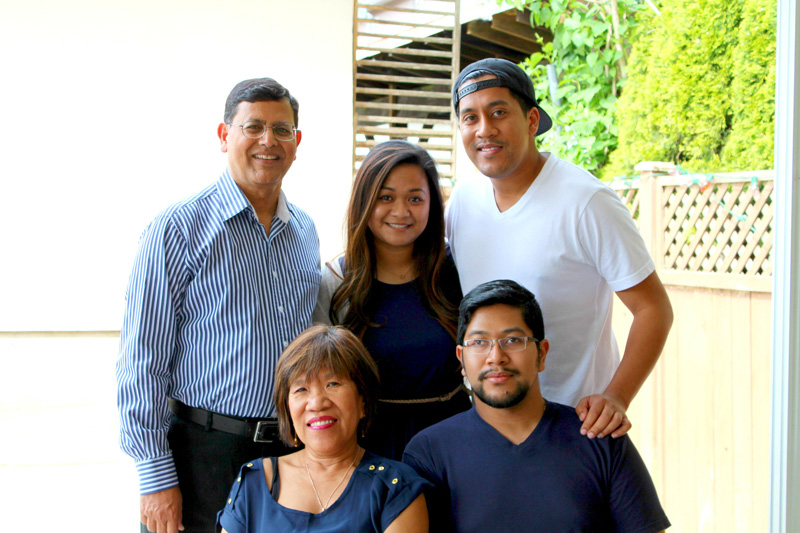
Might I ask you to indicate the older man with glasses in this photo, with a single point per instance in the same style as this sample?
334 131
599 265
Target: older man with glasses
222 283
517 462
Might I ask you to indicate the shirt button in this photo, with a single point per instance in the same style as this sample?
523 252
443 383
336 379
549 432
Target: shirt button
394 481
372 467
380 468
285 344
275 274
280 309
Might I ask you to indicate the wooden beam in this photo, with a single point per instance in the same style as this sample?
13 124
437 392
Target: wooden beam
483 30
440 40
406 51
378 91
441 160
405 24
391 54
397 72
427 146
405 132
524 17
377 7
732 282
403 79
474 49
404 64
406 107
509 25
381 119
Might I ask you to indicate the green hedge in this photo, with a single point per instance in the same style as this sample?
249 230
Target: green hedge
752 139
700 88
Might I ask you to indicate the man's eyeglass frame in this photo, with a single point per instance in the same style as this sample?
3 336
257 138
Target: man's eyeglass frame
265 128
503 343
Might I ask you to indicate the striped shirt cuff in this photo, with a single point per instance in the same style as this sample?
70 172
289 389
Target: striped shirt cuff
156 474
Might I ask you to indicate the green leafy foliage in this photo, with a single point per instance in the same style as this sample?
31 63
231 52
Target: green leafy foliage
752 140
700 88
699 85
589 52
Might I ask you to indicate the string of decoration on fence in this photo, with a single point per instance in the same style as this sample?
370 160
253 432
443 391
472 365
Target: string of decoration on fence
709 223
705 183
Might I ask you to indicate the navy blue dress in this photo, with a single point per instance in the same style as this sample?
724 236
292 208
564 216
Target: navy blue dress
416 359
378 491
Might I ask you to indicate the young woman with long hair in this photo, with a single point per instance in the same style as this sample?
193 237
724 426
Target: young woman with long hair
397 289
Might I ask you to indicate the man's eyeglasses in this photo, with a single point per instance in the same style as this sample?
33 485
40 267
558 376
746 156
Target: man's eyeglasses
507 344
256 130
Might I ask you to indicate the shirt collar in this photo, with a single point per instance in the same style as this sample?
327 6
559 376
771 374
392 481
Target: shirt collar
283 212
233 200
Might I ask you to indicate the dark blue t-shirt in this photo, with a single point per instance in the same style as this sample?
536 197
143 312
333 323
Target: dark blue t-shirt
557 480
378 491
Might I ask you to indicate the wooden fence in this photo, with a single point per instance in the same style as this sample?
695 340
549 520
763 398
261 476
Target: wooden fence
701 421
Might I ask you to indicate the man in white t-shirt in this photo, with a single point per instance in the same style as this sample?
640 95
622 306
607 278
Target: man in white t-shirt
565 236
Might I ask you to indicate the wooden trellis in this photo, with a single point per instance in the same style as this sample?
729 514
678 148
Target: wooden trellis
405 57
705 230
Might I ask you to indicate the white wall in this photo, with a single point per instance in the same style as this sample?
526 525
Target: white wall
109 111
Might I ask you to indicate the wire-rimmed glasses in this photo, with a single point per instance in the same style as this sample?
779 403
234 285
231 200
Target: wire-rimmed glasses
507 344
256 130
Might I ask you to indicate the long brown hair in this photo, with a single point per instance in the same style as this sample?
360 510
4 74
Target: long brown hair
360 263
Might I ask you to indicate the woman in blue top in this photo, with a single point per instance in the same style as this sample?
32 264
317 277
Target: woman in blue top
397 289
324 395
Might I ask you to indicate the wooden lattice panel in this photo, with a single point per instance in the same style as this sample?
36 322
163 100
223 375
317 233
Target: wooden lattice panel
722 227
708 224
630 197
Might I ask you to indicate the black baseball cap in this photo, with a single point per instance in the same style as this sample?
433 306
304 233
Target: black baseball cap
507 75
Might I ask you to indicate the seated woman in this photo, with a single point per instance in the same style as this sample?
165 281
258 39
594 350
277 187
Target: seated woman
397 288
325 395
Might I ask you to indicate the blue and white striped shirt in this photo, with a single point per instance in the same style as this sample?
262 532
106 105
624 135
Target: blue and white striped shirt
212 302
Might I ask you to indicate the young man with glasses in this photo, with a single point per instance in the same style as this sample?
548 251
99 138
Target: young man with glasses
561 233
222 283
517 462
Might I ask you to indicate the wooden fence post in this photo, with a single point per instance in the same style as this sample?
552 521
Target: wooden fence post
651 208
